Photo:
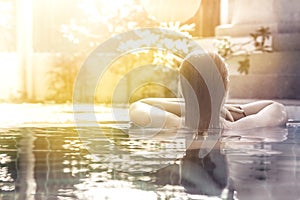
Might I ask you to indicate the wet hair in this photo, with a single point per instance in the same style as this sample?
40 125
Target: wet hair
204 85
222 67
200 176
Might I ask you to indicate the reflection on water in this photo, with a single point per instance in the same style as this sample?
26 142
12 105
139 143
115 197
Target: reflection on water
266 164
55 163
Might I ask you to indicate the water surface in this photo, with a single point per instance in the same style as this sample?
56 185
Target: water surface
58 163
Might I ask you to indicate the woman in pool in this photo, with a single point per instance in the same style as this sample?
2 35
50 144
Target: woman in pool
196 71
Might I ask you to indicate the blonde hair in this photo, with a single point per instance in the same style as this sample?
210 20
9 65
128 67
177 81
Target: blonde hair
204 84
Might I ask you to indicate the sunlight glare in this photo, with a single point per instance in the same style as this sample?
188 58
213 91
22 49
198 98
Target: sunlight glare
113 189
102 10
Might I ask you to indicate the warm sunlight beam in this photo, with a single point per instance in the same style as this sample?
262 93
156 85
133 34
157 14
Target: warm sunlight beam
171 10
224 12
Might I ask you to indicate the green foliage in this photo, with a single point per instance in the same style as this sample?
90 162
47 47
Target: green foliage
244 65
97 25
100 22
260 37
256 43
62 76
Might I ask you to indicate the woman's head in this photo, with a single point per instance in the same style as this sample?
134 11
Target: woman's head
222 67
204 84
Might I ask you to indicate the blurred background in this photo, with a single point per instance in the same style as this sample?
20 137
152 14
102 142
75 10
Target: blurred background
43 43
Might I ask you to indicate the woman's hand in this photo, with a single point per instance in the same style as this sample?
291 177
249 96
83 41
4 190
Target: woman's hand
229 111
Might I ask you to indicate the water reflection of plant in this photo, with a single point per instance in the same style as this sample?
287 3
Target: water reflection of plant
100 22
257 43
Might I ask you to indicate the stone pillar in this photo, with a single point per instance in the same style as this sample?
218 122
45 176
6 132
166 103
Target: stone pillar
252 12
277 71
288 15
287 36
245 16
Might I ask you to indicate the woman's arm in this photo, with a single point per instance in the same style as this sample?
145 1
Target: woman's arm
172 105
260 114
257 106
145 115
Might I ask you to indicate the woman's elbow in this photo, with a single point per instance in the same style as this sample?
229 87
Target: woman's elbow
280 113
138 115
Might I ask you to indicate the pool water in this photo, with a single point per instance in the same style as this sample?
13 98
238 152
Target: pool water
69 162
